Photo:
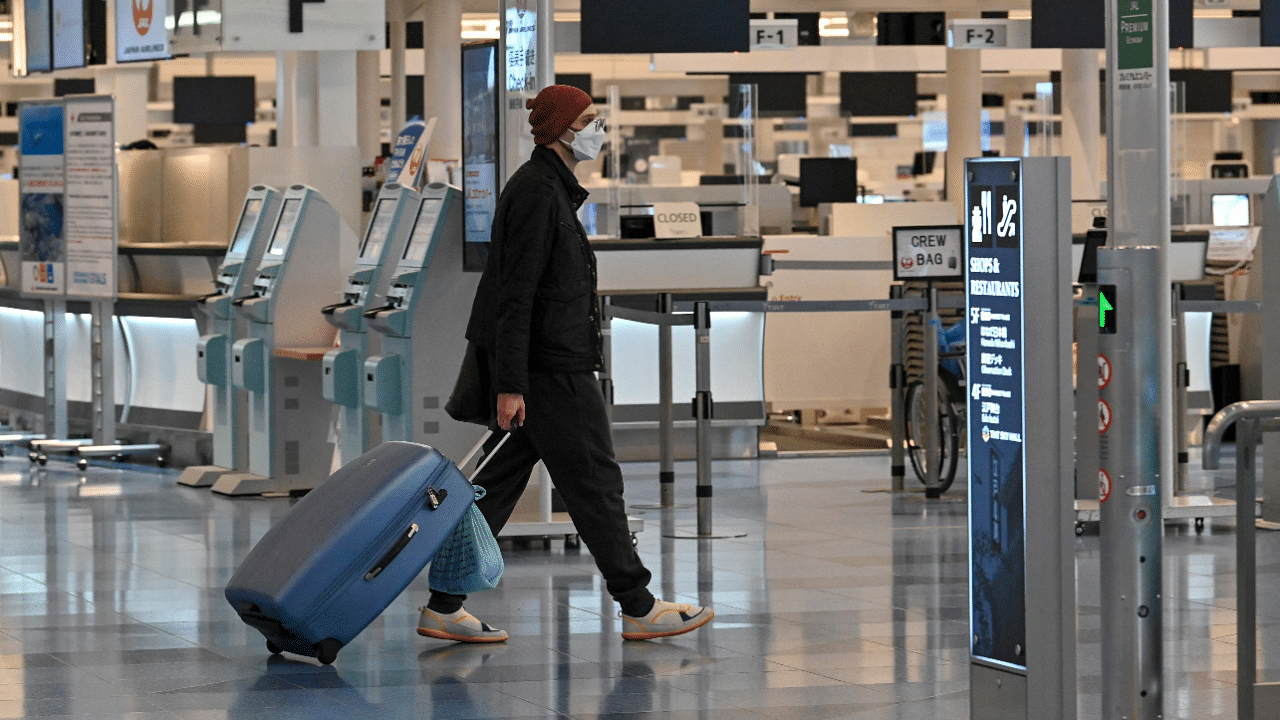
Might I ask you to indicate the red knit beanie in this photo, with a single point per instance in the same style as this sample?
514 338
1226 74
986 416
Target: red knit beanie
554 110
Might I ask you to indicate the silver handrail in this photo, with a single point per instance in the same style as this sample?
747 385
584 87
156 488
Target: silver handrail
1251 419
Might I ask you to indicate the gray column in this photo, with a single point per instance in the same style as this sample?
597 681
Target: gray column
395 36
964 115
369 110
1081 113
443 77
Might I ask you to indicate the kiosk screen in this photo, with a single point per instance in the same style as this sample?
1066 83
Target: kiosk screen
1230 210
379 228
423 229
284 226
244 230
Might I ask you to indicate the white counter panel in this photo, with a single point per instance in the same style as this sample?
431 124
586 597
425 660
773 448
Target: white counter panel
736 375
825 360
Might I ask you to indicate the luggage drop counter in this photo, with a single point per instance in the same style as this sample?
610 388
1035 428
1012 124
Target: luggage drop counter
301 270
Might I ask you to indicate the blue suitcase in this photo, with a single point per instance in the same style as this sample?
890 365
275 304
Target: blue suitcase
349 547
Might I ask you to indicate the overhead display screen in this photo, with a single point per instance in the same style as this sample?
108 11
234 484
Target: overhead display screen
68 34
479 148
37 30
379 227
665 26
245 228
423 229
284 226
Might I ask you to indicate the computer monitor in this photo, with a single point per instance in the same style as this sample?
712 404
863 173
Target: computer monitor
217 100
283 234
423 229
245 228
379 228
828 180
1230 210
923 162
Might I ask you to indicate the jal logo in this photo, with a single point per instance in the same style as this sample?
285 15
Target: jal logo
142 12
907 263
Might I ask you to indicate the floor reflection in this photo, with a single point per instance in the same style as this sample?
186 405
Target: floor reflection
839 602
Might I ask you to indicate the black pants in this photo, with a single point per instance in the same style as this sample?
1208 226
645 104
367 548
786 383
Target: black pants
567 429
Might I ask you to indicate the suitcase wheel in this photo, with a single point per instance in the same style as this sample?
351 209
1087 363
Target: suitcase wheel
327 651
273 648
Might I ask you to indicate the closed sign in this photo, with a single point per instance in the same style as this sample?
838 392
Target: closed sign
677 220
928 253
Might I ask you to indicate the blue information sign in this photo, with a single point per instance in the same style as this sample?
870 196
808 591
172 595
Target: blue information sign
997 464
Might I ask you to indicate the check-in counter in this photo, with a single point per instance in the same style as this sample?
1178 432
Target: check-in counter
633 273
156 388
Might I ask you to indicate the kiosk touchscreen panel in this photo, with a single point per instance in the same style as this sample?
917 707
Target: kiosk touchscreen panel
284 226
423 229
379 228
244 230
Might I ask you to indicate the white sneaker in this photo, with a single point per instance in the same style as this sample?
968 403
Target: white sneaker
666 619
459 626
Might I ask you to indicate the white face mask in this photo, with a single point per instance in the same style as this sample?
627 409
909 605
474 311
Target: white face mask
587 142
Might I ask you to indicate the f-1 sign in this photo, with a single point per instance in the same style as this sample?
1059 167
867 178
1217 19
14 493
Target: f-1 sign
988 33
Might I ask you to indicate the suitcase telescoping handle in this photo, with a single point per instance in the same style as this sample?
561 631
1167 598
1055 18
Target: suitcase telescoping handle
488 434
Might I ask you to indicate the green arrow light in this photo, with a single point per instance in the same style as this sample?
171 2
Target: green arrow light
1103 306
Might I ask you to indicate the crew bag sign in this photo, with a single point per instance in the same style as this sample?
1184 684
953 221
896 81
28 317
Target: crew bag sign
934 252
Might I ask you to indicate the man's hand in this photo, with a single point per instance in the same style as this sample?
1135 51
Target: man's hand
510 407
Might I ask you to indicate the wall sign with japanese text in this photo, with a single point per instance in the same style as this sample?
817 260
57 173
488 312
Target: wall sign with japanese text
997 462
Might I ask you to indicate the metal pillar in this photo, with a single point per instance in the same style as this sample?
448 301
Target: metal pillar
897 394
1181 380
1246 568
1089 379
1130 500
703 411
932 435
605 375
103 371
666 409
55 368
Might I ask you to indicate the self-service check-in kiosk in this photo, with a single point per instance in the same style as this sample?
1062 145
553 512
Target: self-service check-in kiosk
380 252
213 354
278 363
423 323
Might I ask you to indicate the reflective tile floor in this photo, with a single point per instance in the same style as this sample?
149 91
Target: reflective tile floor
839 602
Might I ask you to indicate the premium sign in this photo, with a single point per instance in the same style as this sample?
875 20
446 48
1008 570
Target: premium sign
934 252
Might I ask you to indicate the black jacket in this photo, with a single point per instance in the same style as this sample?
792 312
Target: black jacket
535 308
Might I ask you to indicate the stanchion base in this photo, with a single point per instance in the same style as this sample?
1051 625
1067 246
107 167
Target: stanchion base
687 535
659 506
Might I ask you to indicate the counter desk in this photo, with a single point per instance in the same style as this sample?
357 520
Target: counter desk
634 273
158 325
